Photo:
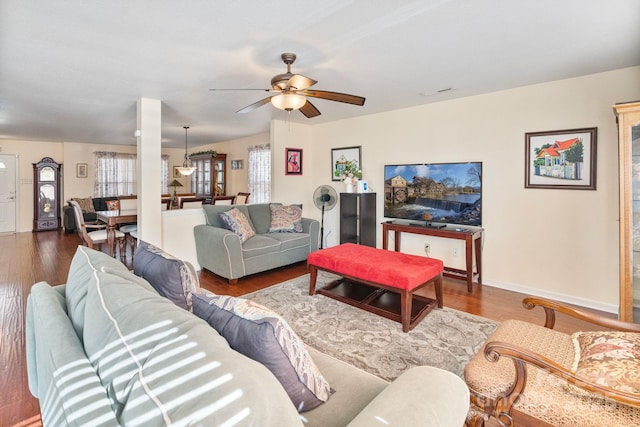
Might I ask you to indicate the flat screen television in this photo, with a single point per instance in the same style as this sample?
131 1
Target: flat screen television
440 193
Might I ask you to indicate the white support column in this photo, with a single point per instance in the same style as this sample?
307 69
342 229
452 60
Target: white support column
149 139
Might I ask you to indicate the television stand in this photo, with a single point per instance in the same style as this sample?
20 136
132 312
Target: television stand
472 238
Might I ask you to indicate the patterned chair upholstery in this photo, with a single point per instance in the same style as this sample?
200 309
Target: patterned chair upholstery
533 375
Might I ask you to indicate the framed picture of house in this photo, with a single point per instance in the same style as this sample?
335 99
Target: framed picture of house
81 170
342 156
293 157
561 159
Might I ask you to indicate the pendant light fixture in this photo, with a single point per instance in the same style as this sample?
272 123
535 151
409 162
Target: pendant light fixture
186 168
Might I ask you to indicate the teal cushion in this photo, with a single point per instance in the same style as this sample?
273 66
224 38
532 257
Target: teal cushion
260 217
163 366
81 275
66 383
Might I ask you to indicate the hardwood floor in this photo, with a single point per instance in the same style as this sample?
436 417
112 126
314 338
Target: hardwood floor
27 258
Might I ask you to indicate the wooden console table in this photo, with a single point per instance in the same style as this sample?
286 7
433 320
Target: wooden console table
472 238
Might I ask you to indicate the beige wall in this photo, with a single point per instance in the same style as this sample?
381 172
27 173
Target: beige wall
558 243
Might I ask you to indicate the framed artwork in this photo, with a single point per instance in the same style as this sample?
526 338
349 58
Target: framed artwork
340 157
237 164
561 159
293 159
176 173
81 170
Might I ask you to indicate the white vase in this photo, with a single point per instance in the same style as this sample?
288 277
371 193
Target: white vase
348 186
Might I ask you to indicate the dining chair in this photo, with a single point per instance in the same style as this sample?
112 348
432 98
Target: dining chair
98 236
192 202
128 203
223 200
242 198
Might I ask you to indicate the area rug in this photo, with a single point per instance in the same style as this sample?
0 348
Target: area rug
446 338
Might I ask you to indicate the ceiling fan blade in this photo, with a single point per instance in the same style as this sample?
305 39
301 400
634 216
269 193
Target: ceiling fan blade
263 90
334 96
309 110
300 82
255 105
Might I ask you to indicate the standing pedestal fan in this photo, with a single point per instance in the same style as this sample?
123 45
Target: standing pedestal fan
325 198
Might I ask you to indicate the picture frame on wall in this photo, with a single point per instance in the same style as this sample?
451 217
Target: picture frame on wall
342 156
237 164
82 170
176 172
293 161
561 159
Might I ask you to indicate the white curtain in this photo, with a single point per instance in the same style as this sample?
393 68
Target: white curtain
260 173
164 172
115 174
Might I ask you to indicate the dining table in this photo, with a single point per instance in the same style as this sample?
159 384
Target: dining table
112 219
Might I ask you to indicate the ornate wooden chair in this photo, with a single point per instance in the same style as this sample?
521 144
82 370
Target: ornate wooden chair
242 198
223 200
192 202
529 375
99 234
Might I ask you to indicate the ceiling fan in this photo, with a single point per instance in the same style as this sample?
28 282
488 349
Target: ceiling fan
292 91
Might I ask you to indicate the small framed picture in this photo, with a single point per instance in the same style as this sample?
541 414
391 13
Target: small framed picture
340 157
293 159
81 170
176 173
561 159
237 164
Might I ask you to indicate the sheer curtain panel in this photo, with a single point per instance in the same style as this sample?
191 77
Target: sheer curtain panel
260 173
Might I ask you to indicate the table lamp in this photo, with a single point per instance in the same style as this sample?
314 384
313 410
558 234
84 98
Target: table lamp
174 199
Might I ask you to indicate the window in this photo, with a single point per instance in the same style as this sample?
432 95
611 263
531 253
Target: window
115 174
260 173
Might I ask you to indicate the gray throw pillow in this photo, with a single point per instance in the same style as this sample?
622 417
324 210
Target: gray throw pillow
265 337
171 277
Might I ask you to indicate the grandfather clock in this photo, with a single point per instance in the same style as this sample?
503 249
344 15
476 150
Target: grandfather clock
46 195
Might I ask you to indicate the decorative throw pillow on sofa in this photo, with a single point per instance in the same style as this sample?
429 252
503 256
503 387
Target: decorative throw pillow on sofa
237 222
262 335
171 277
113 205
285 219
85 204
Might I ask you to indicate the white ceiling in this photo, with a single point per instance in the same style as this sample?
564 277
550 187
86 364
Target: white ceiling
72 70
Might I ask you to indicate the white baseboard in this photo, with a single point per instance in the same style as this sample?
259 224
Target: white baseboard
569 299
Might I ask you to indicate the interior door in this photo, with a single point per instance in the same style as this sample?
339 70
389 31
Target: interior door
7 193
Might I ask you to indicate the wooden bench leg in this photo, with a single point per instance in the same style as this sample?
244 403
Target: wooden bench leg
406 298
313 275
437 284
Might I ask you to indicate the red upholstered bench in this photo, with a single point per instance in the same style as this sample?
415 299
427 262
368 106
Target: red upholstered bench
368 273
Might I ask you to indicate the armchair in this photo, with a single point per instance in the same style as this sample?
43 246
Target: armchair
530 375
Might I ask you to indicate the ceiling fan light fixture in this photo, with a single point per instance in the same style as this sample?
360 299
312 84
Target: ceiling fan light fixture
288 101
186 168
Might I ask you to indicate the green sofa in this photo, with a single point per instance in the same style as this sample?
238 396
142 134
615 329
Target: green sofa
106 349
222 252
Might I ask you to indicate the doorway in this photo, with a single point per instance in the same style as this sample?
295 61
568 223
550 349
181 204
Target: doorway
8 172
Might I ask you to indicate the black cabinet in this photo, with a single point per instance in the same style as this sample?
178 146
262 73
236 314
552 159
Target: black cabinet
358 218
46 195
